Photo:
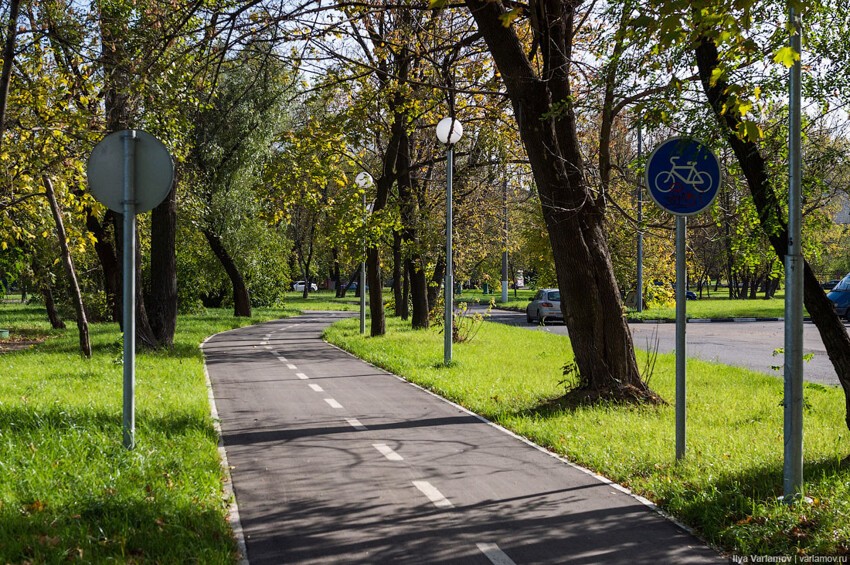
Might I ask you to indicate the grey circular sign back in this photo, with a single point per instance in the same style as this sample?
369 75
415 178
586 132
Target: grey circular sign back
154 171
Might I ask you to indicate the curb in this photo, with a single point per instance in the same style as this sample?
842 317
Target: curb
227 485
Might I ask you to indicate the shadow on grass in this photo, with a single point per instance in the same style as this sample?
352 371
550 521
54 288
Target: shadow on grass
742 510
106 527
26 420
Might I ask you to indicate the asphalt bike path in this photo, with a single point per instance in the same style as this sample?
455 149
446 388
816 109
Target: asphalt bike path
336 461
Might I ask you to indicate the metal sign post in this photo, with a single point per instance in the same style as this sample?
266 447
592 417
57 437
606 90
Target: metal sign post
683 177
130 172
128 139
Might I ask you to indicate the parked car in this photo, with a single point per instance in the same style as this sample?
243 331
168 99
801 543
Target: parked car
299 286
840 297
546 305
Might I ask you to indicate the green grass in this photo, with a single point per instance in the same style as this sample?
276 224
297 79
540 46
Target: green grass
516 300
717 307
728 484
68 489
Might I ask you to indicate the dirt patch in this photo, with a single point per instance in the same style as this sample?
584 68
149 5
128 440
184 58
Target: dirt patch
20 342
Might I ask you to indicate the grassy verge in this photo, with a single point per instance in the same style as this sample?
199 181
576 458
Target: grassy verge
718 308
69 490
516 300
728 484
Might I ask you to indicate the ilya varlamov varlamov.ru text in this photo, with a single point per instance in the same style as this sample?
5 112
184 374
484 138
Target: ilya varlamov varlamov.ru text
790 559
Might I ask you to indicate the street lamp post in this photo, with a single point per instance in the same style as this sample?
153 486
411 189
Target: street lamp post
505 243
364 181
449 131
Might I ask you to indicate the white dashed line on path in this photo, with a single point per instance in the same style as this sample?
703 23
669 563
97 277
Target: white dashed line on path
302 376
433 494
333 403
291 366
387 452
494 554
355 423
317 388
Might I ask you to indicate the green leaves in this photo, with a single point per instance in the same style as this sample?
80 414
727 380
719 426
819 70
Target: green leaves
786 56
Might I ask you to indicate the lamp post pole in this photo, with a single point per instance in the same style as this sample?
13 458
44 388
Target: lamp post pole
793 373
639 293
448 322
364 181
449 131
505 251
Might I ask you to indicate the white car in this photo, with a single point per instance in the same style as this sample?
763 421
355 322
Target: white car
299 286
546 305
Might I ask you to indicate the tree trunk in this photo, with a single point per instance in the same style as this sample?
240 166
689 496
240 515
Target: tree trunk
162 299
436 279
410 237
398 269
108 261
335 274
8 61
52 314
117 87
820 308
405 294
592 308
76 296
46 288
241 299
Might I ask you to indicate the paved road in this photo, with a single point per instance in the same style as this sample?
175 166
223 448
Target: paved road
741 344
335 461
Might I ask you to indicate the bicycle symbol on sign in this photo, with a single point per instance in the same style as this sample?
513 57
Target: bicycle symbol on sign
686 174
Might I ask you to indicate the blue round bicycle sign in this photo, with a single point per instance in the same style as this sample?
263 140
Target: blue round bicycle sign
683 176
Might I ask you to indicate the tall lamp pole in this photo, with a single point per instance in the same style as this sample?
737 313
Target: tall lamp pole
364 181
639 293
793 373
505 251
449 131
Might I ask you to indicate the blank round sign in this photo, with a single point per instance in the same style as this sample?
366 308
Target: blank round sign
154 171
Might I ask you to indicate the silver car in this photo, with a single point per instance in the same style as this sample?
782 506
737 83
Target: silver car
546 305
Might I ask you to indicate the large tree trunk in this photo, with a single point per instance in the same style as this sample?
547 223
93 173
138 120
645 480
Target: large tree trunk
162 299
117 105
602 342
241 299
409 235
373 259
76 295
820 308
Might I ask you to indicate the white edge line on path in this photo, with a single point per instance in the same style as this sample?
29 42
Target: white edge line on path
227 486
434 495
646 502
494 554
